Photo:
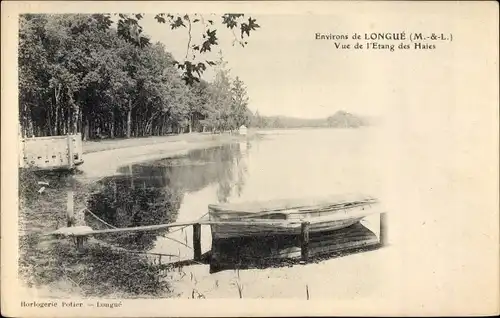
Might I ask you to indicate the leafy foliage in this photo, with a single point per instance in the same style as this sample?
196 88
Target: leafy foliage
230 97
79 74
192 72
240 110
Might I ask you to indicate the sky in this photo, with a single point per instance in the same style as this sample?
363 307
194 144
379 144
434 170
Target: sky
285 69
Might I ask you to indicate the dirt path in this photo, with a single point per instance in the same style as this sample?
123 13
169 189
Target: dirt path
110 144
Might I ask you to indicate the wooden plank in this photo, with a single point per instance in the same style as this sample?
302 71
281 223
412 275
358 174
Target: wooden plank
163 226
336 216
197 241
304 241
286 204
320 212
127 229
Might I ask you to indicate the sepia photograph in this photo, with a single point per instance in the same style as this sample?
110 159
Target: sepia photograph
341 153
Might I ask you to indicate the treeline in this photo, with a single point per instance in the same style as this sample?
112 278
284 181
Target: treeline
76 74
340 119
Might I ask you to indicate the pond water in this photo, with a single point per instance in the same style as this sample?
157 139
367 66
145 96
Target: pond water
283 164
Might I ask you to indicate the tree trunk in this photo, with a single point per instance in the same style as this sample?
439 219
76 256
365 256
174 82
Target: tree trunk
129 118
28 122
56 121
112 128
64 122
86 129
135 127
80 122
57 93
49 121
30 126
76 115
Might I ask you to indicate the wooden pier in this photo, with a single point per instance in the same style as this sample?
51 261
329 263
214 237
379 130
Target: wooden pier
307 245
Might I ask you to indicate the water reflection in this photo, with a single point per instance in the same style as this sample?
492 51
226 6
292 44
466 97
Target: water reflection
282 250
295 165
152 193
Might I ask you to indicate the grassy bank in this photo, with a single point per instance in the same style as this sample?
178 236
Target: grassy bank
51 264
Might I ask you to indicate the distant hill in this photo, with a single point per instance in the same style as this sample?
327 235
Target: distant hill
340 119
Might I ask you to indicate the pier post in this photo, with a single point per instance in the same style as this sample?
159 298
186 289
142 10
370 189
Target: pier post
197 241
304 241
383 229
79 244
214 257
70 213
70 217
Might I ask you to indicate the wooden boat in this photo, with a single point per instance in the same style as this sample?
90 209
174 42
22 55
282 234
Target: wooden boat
267 218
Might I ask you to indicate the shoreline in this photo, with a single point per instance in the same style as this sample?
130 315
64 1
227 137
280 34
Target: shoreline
92 146
103 158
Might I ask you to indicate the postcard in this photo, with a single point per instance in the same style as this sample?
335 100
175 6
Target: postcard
250 158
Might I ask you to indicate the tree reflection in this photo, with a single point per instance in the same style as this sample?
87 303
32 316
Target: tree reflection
125 204
148 194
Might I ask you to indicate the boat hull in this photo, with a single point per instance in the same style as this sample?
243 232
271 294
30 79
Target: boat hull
224 231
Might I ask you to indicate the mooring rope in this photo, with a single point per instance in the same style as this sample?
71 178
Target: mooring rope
182 228
177 241
98 218
165 236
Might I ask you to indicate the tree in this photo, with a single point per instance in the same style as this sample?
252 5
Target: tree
239 103
78 74
219 118
58 54
259 121
199 104
130 29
